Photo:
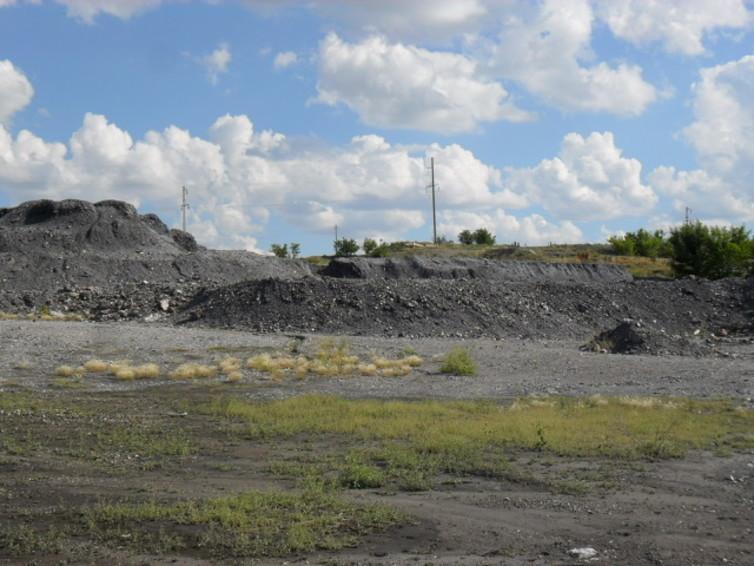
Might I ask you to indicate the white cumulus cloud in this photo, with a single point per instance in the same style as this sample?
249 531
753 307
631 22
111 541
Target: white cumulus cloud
722 135
546 48
15 91
532 229
680 25
88 10
217 62
285 59
590 179
403 86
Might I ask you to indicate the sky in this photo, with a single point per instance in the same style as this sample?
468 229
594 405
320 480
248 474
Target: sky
549 121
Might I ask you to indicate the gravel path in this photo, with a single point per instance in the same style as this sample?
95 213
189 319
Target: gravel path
507 368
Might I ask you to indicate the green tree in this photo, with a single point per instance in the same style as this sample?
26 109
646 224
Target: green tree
346 247
466 237
711 251
484 236
295 250
374 249
280 250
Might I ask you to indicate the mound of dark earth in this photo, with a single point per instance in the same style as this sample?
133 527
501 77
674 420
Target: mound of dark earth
470 307
46 246
424 267
632 337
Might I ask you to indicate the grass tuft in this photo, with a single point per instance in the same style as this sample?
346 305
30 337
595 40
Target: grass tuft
66 371
252 524
458 362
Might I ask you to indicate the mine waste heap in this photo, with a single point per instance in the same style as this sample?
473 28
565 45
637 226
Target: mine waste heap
108 262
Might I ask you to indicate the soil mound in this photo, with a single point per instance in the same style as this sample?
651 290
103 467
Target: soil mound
46 246
73 226
631 337
423 267
467 307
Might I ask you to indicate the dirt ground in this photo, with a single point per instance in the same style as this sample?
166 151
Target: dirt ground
80 443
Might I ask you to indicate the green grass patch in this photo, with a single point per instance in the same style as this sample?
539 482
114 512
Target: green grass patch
627 428
251 524
458 362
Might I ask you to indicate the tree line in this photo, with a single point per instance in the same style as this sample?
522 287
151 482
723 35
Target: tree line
694 249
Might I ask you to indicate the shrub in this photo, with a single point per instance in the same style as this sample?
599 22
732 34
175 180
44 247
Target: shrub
374 249
641 243
458 362
346 247
280 250
711 251
483 236
466 237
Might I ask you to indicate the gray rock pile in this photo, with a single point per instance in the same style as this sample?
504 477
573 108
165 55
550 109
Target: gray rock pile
467 307
424 267
48 246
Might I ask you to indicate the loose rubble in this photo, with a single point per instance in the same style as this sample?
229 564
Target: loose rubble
106 262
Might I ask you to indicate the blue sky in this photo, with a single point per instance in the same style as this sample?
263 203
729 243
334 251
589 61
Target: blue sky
549 121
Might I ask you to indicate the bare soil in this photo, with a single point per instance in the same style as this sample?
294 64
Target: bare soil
696 510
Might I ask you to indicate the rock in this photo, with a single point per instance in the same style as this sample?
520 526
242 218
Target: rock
583 553
164 305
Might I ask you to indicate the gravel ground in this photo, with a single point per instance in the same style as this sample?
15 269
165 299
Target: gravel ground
507 368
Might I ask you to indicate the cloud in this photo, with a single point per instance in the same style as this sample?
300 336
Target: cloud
532 229
285 59
402 86
88 10
217 62
588 180
680 25
722 135
15 91
237 175
545 48
408 19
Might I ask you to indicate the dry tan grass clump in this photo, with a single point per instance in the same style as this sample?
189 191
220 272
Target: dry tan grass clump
332 358
229 365
193 371
147 371
96 366
67 371
125 373
234 377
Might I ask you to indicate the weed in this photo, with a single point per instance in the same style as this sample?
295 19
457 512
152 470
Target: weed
252 524
458 362
466 429
21 539
358 475
68 383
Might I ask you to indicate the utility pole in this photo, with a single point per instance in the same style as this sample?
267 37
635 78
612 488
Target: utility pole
688 213
184 205
434 215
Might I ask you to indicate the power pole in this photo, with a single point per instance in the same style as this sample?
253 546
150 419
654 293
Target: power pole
688 213
434 215
184 205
